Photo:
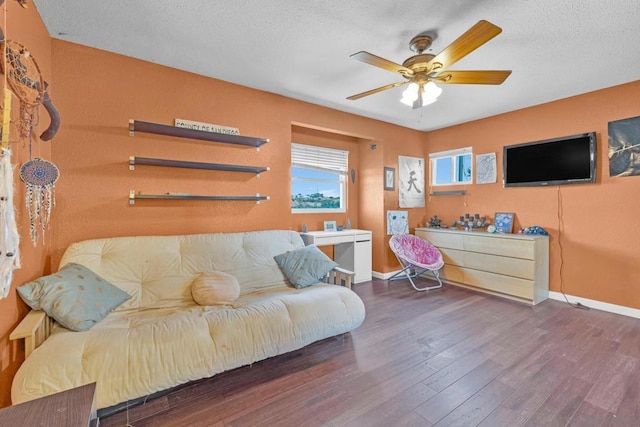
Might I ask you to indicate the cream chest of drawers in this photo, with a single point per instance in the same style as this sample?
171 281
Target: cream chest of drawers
514 266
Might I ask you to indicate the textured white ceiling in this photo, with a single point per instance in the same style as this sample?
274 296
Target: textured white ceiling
300 49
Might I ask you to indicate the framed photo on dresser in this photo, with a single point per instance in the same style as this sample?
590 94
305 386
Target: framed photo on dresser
504 222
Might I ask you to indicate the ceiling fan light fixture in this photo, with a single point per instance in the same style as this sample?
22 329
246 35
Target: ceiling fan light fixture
424 94
410 94
431 90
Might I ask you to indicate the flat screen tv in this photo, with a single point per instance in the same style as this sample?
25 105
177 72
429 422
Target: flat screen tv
565 160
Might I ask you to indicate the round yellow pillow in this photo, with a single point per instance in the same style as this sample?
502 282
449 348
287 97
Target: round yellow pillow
215 288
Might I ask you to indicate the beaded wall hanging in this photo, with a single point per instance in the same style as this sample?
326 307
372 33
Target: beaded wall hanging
40 177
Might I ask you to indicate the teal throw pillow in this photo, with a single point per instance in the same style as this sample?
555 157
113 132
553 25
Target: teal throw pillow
305 266
75 296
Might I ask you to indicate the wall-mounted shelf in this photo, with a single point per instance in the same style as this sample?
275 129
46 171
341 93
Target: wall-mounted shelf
449 193
133 196
140 126
133 161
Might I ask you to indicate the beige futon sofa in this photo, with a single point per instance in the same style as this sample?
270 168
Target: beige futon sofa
160 338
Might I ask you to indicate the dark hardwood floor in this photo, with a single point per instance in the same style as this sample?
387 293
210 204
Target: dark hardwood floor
448 357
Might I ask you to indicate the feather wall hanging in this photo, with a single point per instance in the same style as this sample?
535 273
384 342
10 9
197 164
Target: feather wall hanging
9 237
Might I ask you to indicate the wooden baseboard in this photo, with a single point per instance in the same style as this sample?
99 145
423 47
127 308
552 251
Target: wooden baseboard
599 305
383 276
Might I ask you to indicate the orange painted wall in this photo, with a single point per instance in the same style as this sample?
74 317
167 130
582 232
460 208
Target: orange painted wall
25 27
597 228
412 147
371 199
101 92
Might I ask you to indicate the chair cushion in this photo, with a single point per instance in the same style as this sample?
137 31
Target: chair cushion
416 251
75 296
305 266
215 288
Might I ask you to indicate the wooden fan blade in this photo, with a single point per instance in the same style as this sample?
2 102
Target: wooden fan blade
372 91
385 64
475 37
478 77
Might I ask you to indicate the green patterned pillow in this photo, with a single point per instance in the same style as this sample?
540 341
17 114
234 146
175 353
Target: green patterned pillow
75 296
305 266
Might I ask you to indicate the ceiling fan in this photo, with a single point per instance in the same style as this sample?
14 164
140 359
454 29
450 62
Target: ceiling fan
423 70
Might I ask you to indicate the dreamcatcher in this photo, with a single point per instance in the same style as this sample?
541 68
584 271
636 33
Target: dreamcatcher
40 177
23 77
25 80
27 84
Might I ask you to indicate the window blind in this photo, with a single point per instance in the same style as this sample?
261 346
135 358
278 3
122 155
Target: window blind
319 158
451 153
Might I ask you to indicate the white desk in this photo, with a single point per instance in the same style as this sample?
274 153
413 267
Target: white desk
352 249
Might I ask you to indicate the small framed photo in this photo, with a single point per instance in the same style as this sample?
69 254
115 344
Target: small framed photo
504 222
330 226
389 179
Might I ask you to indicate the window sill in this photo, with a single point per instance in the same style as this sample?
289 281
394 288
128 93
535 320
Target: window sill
318 211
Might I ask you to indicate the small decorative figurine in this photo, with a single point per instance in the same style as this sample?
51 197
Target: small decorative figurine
435 222
469 222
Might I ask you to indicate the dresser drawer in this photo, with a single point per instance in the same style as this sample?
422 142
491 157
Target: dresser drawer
514 248
452 256
442 240
452 273
504 284
515 267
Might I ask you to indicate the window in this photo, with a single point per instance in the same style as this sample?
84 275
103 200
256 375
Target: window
318 179
451 167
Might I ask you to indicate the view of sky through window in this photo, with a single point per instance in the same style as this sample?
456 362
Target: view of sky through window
316 190
314 182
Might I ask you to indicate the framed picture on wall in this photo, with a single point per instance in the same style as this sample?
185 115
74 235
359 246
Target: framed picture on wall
624 140
389 179
411 182
504 222
330 226
397 222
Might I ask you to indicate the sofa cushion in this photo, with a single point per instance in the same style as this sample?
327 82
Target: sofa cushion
305 266
215 288
75 296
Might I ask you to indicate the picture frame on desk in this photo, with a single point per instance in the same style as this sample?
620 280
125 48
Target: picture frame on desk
503 222
330 226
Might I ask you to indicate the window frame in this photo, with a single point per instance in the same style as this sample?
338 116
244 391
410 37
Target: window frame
339 170
454 156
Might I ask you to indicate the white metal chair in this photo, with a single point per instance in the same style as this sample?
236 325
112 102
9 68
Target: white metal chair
416 256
